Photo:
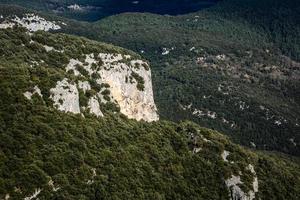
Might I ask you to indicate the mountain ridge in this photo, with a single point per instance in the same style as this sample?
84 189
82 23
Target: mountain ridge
64 133
240 63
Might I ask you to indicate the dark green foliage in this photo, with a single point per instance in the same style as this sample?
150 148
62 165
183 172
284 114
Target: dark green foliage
83 99
105 85
255 36
246 32
91 93
146 66
106 98
140 81
132 160
95 76
279 20
105 92
139 160
82 70
94 85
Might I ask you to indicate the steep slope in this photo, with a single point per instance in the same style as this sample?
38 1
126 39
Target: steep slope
79 75
48 154
55 145
234 72
278 19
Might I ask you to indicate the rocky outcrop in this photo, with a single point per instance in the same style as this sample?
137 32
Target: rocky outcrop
224 155
84 85
236 193
66 97
134 102
128 85
129 81
31 22
34 195
35 90
100 82
94 107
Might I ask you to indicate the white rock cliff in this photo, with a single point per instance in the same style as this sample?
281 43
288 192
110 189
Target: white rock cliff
116 70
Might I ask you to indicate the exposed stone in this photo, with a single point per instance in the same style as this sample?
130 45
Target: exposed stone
84 85
34 195
65 97
236 192
197 149
51 184
91 181
225 154
31 22
165 51
75 7
36 90
72 66
6 25
221 57
35 23
292 140
48 48
133 103
94 107
251 193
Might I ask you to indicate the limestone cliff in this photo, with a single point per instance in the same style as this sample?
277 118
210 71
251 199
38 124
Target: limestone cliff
91 75
129 82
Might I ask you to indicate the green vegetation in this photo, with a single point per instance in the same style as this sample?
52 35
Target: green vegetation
253 91
68 156
131 160
45 68
140 81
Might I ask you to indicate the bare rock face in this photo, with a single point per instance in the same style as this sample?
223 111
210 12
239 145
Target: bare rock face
36 90
134 102
233 184
94 107
31 22
235 191
129 81
66 97
119 80
224 155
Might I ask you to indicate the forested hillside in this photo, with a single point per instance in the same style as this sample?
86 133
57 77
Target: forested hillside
231 71
231 67
93 10
46 153
65 131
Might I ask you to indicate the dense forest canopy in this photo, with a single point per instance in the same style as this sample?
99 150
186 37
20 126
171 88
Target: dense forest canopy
93 10
232 67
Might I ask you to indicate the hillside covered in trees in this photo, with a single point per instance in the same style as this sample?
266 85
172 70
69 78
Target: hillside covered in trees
67 132
48 154
232 67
